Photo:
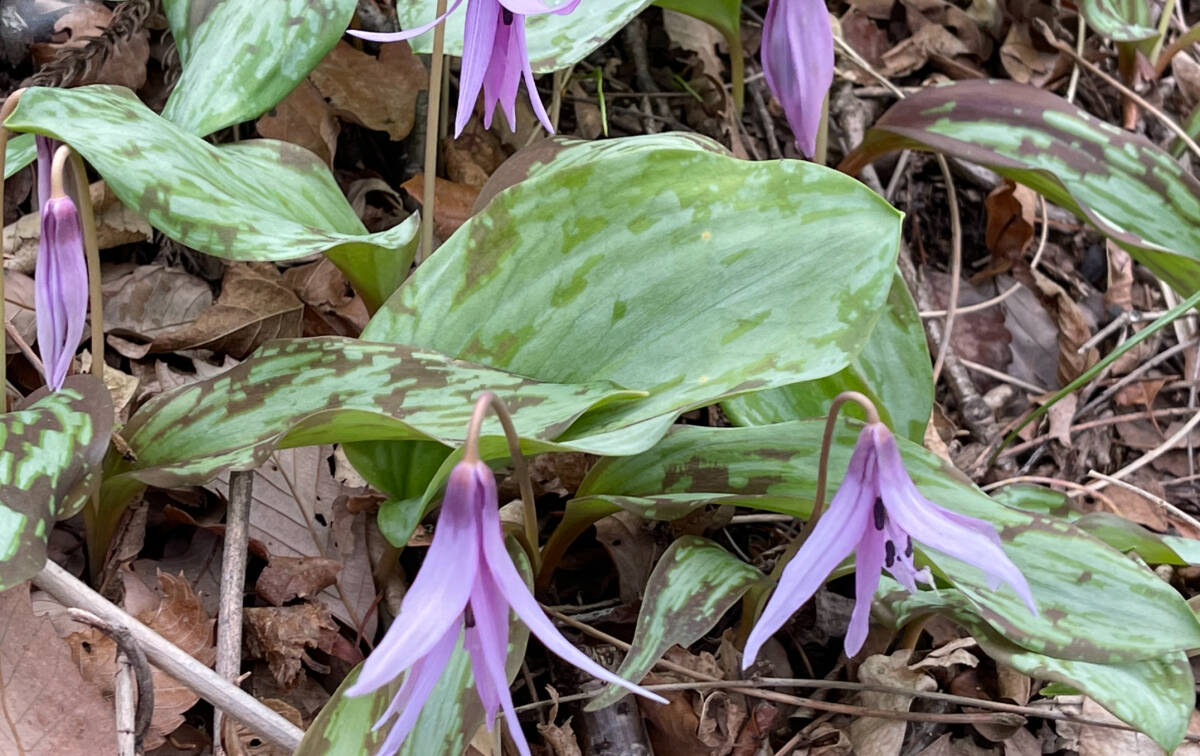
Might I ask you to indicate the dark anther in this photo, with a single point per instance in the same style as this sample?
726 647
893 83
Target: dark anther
506 16
889 550
908 547
469 618
880 515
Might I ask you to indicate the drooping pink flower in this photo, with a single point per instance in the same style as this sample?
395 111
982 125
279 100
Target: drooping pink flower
60 293
495 58
466 585
877 513
797 58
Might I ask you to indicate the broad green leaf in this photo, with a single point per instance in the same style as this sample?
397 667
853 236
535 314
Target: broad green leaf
448 719
658 265
1119 20
246 55
1129 189
554 41
18 153
1094 604
50 456
893 369
692 586
1124 535
1154 695
253 200
726 17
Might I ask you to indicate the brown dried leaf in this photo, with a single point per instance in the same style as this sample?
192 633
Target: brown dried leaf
633 551
331 305
1119 292
983 336
1062 414
560 738
240 740
884 737
125 64
865 36
287 578
49 708
696 36
1010 219
148 300
1025 61
378 93
474 156
254 307
1074 329
304 118
177 616
282 634
453 205
18 308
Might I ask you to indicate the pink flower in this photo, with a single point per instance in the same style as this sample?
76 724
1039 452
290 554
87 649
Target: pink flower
60 293
797 58
467 583
495 57
877 513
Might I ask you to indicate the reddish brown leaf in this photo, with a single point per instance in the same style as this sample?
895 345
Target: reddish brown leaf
287 578
304 118
454 202
282 634
379 93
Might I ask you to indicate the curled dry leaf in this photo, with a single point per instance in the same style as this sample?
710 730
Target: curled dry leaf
282 635
884 736
124 65
1074 329
145 301
306 119
1010 222
50 709
693 723
287 578
178 616
378 93
255 306
240 740
474 156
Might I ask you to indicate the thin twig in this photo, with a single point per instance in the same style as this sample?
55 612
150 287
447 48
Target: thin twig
1151 455
1044 480
135 657
1128 417
237 703
233 587
1134 375
1174 510
979 368
955 267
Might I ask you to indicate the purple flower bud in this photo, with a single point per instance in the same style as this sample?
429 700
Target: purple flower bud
495 57
467 585
878 513
60 288
797 58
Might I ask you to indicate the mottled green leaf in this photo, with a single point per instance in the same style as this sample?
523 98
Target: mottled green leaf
18 153
1128 188
1155 695
554 41
448 720
1127 536
659 265
253 200
692 586
50 456
1095 605
244 56
893 369
1119 20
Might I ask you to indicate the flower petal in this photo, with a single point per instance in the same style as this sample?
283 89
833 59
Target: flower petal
797 58
965 538
483 20
836 534
490 614
868 561
405 34
534 7
438 595
423 677
535 98
60 288
512 586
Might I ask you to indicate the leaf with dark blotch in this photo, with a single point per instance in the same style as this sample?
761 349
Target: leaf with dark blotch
49 708
1125 186
241 57
1120 20
691 588
50 456
893 369
1082 587
1155 695
251 200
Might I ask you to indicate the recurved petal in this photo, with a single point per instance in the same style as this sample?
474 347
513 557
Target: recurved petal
492 684
965 538
438 595
836 534
60 288
797 61
533 7
868 560
406 33
516 593
535 99
423 677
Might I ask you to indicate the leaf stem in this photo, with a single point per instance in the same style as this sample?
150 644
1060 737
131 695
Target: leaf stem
8 106
437 62
489 400
91 248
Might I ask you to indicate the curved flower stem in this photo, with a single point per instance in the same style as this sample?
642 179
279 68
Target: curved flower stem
433 112
87 219
485 401
823 466
6 108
